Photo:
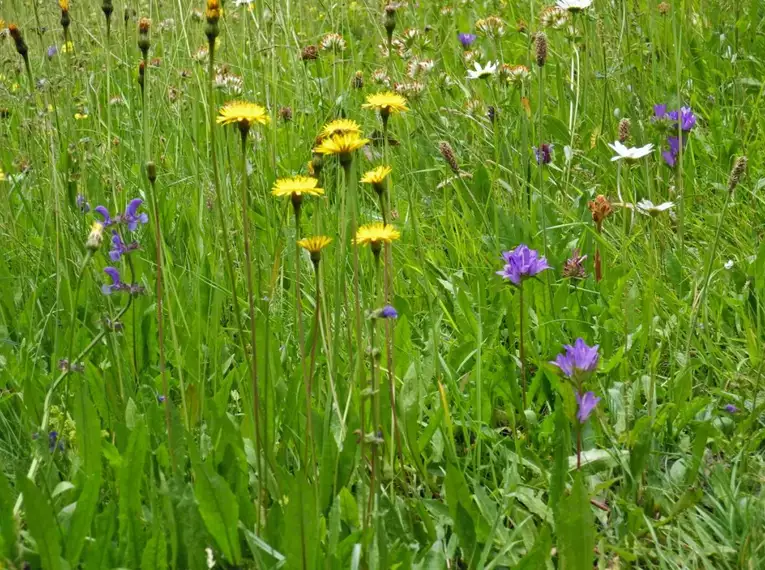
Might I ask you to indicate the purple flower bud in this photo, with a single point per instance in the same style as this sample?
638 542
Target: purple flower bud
543 153
161 399
466 40
52 51
587 403
388 312
731 409
82 204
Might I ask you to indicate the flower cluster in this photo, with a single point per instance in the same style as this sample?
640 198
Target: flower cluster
678 124
522 263
131 218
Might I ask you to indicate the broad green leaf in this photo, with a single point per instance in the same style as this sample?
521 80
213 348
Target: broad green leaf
130 479
8 530
155 553
539 553
576 529
42 525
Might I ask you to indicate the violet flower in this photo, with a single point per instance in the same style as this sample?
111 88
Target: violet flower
388 312
82 204
587 403
466 40
574 266
104 213
577 359
52 51
119 247
117 284
544 153
522 263
131 217
731 409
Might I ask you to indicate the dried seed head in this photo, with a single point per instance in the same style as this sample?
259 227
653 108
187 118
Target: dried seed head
151 172
358 80
309 53
18 39
448 153
540 44
144 24
521 26
96 236
663 8
285 114
600 208
739 168
624 130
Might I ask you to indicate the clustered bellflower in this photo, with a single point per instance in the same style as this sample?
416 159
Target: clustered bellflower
466 40
522 263
684 119
578 360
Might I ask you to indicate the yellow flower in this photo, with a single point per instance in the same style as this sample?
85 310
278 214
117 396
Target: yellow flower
242 113
68 47
64 5
297 186
80 116
3 178
340 127
315 244
96 236
213 11
376 176
376 234
341 144
386 103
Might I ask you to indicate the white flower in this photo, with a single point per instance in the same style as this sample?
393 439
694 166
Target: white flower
210 558
632 153
482 72
574 5
729 264
650 209
243 2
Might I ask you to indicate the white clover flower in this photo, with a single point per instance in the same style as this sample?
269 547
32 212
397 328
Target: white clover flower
482 72
630 153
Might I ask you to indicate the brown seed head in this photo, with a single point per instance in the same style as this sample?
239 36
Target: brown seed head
358 80
624 130
600 208
309 53
285 114
663 8
739 168
447 152
540 44
144 24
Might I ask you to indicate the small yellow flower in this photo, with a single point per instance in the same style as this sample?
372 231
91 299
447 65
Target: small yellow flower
341 144
386 103
213 11
64 5
80 116
315 244
376 176
242 113
3 177
297 186
376 234
68 47
96 236
340 127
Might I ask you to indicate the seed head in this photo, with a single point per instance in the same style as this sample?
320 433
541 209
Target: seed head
285 114
309 53
624 130
448 153
600 208
663 8
390 20
18 39
540 43
144 24
739 168
107 8
358 80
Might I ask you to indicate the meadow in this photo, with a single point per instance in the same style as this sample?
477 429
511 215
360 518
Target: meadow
374 285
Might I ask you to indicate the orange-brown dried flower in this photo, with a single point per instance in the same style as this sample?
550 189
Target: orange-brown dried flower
601 208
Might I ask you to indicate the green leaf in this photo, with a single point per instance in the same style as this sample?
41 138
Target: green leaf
559 473
155 554
8 528
576 528
301 542
89 441
130 478
42 525
218 507
539 553
703 431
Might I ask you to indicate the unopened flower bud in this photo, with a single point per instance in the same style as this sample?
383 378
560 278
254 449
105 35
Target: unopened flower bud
18 39
107 7
143 36
358 80
390 20
151 171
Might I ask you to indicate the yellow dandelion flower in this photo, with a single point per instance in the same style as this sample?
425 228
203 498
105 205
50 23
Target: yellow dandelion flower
64 5
376 234
343 145
297 186
315 244
376 176
386 103
243 114
340 127
68 47
213 11
80 116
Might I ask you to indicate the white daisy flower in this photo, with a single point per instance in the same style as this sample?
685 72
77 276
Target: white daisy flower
630 153
574 5
650 209
482 72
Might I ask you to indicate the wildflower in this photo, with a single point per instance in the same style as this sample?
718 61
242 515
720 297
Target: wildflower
332 42
54 442
358 80
574 266
96 236
118 285
377 178
18 40
130 217
65 20
731 409
390 20
107 7
663 8
161 398
144 24
482 72
341 145
82 204
386 104
670 155
380 77
410 90
685 117
540 48
587 404
650 209
543 153
210 558
417 67
243 114
574 5
52 51
553 17
314 245
492 26
375 235
466 40
729 264
387 312
296 187
212 16
340 127
120 248
629 153
447 152
739 168
522 263
624 130
309 53
80 116
514 74
578 360
601 209
470 57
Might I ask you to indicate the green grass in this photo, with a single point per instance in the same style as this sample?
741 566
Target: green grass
415 449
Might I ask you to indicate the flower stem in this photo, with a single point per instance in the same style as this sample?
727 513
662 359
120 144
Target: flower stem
521 343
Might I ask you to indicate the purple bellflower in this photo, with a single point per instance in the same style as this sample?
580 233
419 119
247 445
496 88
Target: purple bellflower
684 119
388 312
119 247
522 263
466 40
577 359
731 409
587 403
